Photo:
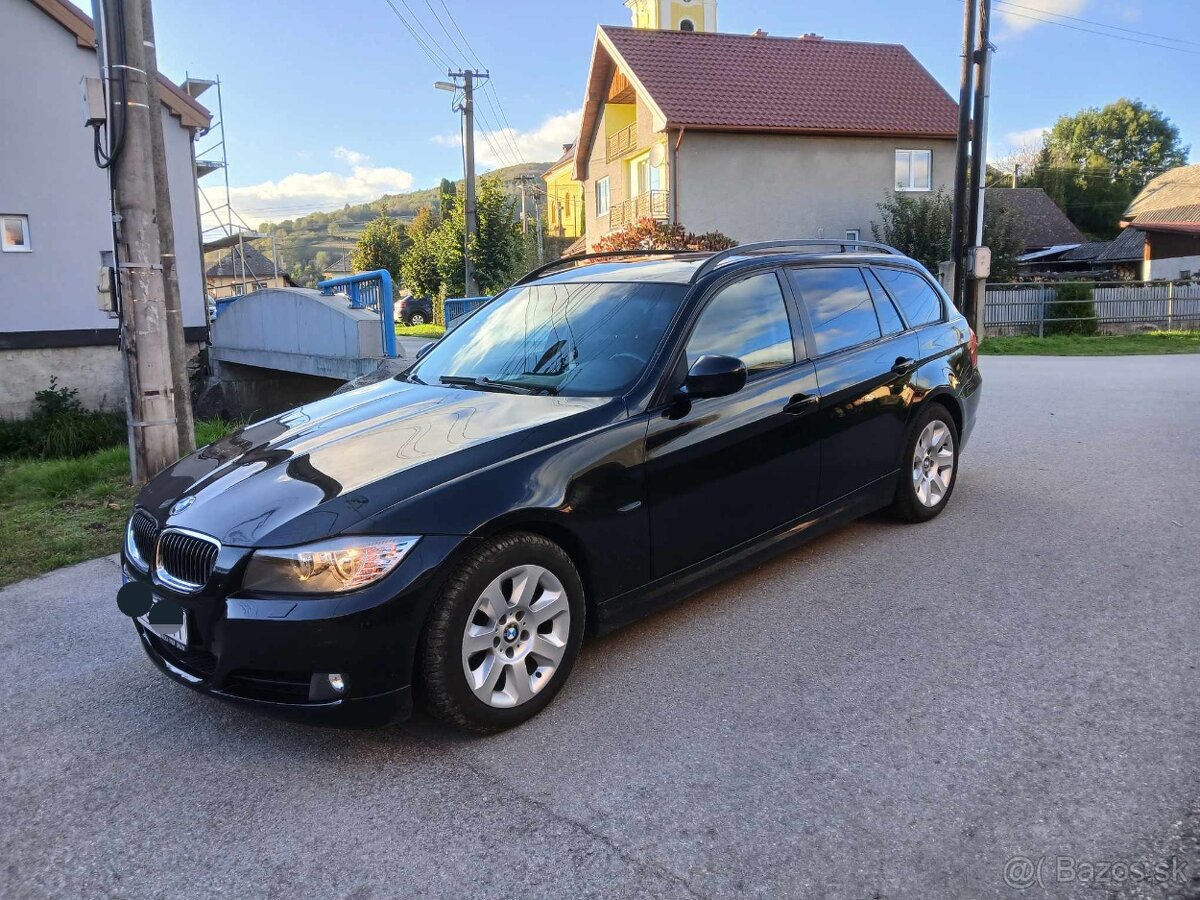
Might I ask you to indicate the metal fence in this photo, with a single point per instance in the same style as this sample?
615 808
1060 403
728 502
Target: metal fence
373 291
1120 307
460 306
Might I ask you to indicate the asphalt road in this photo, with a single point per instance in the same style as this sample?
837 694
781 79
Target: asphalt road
891 711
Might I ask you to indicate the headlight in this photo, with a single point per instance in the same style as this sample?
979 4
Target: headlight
326 567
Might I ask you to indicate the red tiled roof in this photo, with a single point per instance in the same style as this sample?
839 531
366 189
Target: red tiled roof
745 82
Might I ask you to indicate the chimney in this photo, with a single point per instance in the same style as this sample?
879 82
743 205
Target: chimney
758 32
812 36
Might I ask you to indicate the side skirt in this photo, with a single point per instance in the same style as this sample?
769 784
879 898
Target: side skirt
670 589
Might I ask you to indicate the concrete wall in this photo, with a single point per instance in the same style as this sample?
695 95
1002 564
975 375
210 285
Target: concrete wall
1170 268
97 373
762 187
48 174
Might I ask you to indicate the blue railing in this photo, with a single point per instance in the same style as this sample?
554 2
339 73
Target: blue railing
373 291
460 306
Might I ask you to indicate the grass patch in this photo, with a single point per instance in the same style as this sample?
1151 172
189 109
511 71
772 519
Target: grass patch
429 331
1098 345
56 512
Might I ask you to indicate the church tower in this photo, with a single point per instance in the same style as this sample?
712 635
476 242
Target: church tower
675 15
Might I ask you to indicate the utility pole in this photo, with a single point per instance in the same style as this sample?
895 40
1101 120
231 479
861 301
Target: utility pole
974 298
524 221
176 344
1016 172
467 107
957 223
541 248
153 438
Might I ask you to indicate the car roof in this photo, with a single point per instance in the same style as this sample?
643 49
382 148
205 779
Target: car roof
680 268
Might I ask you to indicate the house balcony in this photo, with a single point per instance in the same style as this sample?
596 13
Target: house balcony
650 205
623 141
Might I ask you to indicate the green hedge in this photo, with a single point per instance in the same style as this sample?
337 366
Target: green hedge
1072 312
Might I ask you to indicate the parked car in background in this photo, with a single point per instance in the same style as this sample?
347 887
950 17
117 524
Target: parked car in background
602 438
415 310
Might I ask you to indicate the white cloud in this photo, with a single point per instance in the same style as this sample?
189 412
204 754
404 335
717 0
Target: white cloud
543 144
353 157
1029 138
303 192
1029 13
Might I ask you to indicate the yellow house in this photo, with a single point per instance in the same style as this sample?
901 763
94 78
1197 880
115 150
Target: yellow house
564 197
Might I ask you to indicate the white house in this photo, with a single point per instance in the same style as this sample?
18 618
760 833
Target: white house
55 220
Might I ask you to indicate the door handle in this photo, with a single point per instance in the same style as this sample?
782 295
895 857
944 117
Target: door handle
904 365
800 404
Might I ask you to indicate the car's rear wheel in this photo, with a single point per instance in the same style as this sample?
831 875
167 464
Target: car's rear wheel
503 636
929 466
418 318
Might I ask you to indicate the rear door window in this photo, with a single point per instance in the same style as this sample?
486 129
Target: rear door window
889 319
747 320
917 299
839 306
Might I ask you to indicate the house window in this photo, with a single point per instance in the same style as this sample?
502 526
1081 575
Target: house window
914 170
853 234
14 234
602 196
687 25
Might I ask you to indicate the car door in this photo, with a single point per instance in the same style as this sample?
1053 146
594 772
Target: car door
864 361
722 470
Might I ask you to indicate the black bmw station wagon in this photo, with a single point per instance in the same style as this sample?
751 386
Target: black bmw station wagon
604 437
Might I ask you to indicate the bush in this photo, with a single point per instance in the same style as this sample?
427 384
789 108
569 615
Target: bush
60 427
1072 311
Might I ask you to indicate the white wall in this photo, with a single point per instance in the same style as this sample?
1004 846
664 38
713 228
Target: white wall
1170 267
762 187
47 172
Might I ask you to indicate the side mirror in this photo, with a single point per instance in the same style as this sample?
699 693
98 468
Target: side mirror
714 376
425 349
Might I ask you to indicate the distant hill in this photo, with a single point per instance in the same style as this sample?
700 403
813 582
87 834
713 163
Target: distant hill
309 245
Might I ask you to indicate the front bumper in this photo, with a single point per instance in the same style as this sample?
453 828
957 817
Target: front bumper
266 650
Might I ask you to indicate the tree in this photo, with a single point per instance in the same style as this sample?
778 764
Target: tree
495 249
419 269
1131 140
920 227
380 246
650 234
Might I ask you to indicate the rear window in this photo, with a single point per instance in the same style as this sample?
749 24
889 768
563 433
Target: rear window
839 305
917 300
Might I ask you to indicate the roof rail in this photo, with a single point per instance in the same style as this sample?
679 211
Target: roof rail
533 274
741 249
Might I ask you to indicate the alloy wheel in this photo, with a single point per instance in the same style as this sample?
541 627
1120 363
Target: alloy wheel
933 463
516 636
416 319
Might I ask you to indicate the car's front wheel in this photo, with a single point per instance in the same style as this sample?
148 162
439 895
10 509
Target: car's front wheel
501 639
929 466
418 318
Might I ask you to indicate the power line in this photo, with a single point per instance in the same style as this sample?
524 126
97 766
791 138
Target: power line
440 64
1149 34
1107 34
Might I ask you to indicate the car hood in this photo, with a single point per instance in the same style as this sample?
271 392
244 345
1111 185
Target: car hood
320 468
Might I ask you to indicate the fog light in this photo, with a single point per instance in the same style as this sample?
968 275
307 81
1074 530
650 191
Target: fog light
324 687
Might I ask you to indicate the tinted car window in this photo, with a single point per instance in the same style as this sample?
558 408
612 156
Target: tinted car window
839 306
918 301
747 319
573 338
889 319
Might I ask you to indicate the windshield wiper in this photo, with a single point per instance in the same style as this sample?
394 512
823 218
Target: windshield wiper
485 383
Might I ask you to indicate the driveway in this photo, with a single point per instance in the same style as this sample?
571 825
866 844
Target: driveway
891 711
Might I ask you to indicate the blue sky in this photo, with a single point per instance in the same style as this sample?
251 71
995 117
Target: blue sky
328 103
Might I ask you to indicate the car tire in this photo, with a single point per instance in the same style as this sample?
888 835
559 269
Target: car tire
929 465
418 318
515 602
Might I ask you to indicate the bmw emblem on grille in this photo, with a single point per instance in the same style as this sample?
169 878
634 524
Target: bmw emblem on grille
181 505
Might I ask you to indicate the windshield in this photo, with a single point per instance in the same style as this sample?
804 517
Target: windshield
589 339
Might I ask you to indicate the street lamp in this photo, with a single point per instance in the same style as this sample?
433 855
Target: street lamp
467 107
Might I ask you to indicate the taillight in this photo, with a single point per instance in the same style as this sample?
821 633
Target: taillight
973 348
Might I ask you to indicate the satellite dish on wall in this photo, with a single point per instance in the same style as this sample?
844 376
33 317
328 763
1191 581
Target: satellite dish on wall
658 155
